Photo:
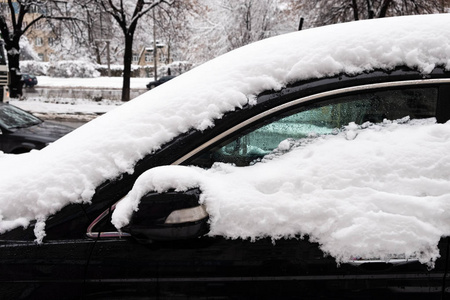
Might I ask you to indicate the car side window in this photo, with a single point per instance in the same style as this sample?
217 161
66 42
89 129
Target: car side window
324 118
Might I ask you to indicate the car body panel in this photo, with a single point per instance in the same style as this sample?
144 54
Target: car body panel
164 79
102 265
263 269
41 268
118 266
29 80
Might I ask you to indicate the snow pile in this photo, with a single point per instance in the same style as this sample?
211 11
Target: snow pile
374 192
38 184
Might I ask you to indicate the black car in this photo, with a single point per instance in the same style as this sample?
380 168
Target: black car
29 80
166 250
21 131
153 84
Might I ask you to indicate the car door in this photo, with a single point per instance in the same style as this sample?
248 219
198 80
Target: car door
364 276
220 267
51 269
216 267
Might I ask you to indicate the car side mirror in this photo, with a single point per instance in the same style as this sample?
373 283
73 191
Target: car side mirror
169 216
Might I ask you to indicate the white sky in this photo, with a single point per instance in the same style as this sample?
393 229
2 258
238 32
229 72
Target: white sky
39 183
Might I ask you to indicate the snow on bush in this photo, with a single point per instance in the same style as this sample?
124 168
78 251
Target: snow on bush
176 68
33 67
72 68
26 50
117 70
376 191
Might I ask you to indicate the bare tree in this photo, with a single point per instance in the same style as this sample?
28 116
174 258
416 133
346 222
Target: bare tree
173 24
223 25
127 13
13 27
336 11
252 20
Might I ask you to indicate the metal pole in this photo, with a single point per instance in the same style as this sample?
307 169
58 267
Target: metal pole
155 71
300 24
108 57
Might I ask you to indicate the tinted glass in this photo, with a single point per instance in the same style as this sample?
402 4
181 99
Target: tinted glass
325 118
12 117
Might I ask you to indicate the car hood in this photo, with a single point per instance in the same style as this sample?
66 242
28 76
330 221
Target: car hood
45 131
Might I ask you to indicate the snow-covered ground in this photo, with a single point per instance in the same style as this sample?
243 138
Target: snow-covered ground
349 202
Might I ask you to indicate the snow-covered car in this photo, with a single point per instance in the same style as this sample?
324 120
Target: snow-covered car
313 165
21 131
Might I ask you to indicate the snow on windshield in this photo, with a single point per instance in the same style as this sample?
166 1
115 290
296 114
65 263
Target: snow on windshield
374 192
38 184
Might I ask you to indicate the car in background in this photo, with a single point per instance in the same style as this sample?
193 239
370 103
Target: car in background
164 79
59 238
22 132
29 80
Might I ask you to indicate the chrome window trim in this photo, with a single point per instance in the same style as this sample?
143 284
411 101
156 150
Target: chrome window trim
113 234
267 113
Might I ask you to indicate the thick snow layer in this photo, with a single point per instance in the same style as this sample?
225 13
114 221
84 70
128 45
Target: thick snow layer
374 192
38 184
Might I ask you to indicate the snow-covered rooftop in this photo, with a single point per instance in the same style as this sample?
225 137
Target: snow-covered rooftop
40 183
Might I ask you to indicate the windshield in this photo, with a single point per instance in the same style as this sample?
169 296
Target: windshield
13 117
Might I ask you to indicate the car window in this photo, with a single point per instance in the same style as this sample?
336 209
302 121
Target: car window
324 118
12 117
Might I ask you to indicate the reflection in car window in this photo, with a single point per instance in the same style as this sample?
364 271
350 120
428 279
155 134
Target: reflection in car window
12 117
325 118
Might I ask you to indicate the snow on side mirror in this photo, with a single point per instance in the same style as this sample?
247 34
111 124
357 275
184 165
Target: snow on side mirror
169 216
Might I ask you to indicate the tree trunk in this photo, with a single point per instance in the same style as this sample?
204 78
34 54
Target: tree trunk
15 85
370 13
13 53
355 10
384 8
127 58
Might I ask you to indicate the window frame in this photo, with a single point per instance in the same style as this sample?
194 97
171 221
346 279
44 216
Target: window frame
39 41
148 57
389 96
281 109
